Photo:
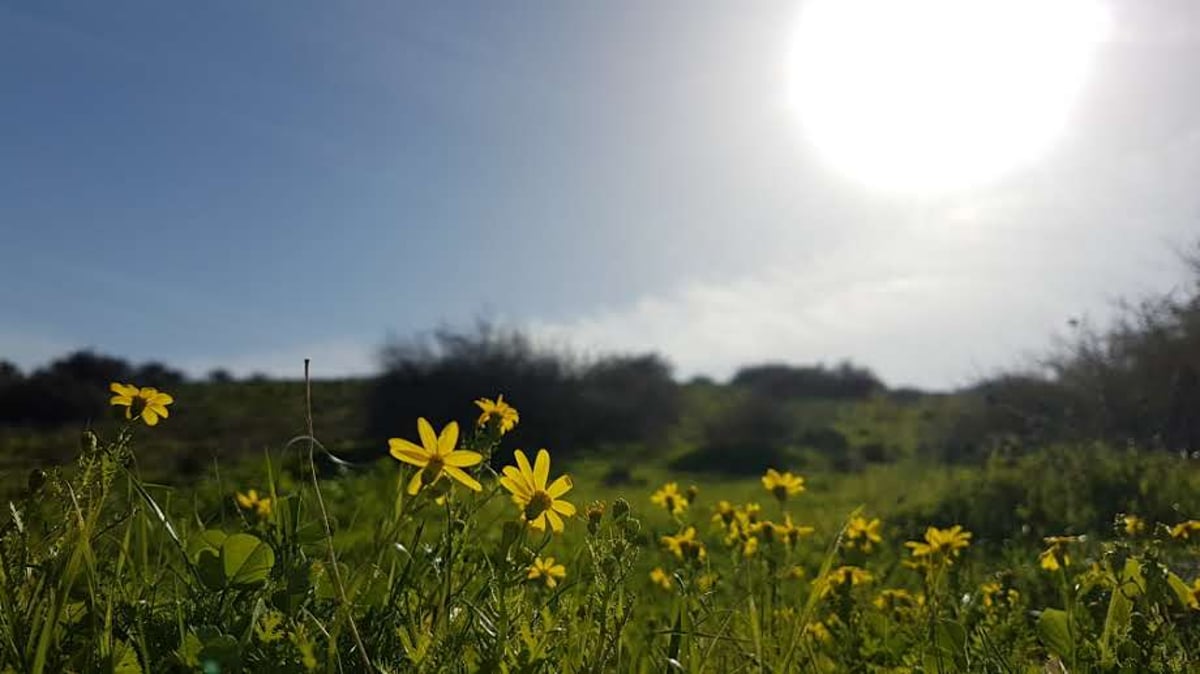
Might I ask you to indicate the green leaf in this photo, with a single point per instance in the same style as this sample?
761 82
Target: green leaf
189 650
1182 591
210 539
949 648
1055 632
1120 607
221 654
246 560
124 659
208 567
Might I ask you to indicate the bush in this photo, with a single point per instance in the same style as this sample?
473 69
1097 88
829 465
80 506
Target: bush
785 381
1065 489
565 403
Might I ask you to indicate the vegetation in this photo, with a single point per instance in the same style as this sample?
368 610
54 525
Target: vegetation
436 561
802 519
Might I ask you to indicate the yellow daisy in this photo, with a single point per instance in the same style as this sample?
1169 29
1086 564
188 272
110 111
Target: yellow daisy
685 545
862 534
540 504
252 501
506 415
436 455
941 546
782 485
148 404
669 497
661 578
547 570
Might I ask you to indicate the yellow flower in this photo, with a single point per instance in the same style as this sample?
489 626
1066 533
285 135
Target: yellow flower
940 547
750 546
1134 525
686 545
1193 600
251 501
661 579
843 576
670 498
148 404
540 504
818 631
435 456
994 594
506 415
723 513
782 485
789 532
1184 530
1055 557
862 534
547 570
898 601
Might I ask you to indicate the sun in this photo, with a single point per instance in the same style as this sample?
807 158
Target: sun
933 95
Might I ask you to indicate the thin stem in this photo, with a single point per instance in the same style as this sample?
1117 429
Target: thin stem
337 574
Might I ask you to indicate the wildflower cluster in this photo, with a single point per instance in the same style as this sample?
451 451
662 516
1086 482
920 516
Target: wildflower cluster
439 562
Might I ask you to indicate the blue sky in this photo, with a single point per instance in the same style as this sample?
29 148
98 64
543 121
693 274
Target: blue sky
246 184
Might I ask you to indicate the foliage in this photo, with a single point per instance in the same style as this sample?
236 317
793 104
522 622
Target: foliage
1136 381
72 389
777 380
399 569
579 405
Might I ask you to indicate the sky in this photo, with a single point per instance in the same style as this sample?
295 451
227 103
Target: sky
243 185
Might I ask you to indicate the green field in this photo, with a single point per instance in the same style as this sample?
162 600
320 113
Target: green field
118 561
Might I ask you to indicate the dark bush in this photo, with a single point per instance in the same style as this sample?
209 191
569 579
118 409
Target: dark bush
566 404
740 459
71 390
786 381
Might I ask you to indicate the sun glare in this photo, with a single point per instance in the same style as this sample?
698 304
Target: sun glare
931 95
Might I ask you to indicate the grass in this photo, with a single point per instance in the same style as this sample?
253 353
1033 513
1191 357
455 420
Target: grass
104 569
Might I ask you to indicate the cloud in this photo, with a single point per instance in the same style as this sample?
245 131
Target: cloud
973 284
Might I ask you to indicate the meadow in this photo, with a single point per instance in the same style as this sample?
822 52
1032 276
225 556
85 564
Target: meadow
452 549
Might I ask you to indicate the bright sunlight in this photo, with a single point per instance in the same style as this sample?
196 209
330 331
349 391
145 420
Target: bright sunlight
930 95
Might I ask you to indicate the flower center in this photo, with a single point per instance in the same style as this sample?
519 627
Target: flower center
780 492
433 469
538 504
137 406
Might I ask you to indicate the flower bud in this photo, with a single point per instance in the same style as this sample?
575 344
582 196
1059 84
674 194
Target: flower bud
620 509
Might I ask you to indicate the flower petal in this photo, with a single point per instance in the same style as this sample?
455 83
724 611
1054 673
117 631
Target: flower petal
462 458
403 450
428 437
461 475
158 409
556 522
541 469
560 486
161 399
414 485
520 494
120 400
448 439
564 508
523 465
149 417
